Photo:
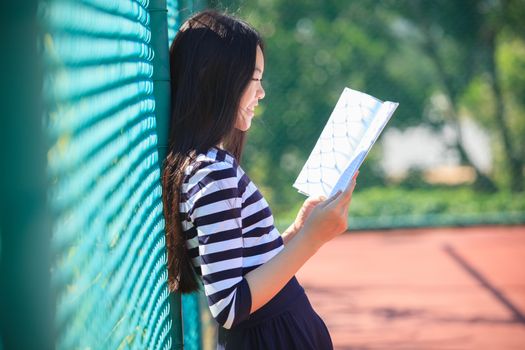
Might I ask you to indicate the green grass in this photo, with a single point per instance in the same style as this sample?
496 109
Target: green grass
393 207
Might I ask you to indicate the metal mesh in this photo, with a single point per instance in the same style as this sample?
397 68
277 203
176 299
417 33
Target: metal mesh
109 271
173 19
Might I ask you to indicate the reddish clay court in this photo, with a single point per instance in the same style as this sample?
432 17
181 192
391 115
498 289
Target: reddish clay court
450 289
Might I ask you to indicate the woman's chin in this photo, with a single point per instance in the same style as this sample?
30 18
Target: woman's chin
244 127
245 123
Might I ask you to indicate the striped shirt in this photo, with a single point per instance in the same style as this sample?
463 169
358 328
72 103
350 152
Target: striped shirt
229 230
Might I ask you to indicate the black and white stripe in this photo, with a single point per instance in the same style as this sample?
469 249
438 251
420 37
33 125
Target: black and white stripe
229 231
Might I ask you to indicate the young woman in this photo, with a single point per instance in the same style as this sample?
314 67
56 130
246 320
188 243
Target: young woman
220 230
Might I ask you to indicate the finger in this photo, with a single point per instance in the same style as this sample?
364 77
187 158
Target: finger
345 196
316 200
344 201
345 208
354 179
347 204
331 199
312 202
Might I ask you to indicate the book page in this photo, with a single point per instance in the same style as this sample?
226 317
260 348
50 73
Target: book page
352 129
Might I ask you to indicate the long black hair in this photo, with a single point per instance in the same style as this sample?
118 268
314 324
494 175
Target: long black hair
212 60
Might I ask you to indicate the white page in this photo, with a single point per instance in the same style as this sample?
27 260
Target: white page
352 129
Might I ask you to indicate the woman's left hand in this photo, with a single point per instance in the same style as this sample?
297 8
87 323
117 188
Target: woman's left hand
303 214
305 211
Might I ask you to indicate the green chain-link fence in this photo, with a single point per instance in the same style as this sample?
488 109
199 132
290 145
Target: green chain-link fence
25 230
108 268
94 88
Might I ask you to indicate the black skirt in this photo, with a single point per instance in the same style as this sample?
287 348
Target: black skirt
286 322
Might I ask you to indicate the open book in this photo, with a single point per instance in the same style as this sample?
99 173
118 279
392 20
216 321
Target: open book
352 129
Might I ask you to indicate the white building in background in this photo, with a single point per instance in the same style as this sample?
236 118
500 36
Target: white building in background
431 152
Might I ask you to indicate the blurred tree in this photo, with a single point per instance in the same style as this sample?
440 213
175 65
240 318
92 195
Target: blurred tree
314 49
461 39
407 51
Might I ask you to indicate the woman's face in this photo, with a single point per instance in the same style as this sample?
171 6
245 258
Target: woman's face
251 96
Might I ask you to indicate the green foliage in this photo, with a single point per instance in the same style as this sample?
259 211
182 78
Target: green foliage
393 201
511 59
443 61
402 207
398 207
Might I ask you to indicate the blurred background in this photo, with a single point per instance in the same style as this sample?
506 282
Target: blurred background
85 89
454 151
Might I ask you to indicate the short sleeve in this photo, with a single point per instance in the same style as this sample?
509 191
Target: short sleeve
216 214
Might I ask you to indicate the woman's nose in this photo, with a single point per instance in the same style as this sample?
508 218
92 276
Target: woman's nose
260 92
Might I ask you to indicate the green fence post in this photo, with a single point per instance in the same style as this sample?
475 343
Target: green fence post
25 230
161 90
161 71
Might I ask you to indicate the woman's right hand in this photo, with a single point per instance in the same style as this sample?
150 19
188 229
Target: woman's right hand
327 220
330 217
